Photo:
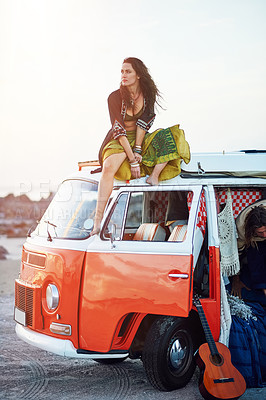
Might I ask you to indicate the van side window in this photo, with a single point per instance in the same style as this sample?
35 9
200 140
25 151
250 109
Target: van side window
117 217
153 215
135 210
150 216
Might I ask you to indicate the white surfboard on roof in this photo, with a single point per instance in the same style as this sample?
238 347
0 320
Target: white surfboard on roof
239 161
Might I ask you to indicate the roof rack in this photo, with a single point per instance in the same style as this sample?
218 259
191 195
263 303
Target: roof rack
252 151
94 163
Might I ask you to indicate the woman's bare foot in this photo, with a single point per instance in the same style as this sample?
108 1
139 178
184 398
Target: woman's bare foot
95 231
96 227
151 180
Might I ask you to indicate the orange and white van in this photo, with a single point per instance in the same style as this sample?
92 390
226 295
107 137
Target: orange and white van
127 292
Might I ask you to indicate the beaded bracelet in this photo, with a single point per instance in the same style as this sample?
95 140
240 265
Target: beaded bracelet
134 164
135 150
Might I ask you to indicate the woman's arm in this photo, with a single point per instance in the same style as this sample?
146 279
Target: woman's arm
126 146
147 118
237 286
140 133
134 165
143 124
115 106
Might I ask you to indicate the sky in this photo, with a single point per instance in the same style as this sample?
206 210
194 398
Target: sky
60 59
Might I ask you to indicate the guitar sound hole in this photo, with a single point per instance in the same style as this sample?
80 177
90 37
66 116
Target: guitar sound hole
217 359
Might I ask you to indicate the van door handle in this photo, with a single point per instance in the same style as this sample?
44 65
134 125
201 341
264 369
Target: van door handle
182 276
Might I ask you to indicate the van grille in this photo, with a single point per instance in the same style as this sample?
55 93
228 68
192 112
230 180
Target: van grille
28 299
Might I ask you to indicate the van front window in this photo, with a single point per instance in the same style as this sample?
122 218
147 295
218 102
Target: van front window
73 204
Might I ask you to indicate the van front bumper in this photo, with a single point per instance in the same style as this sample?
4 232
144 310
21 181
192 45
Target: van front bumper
62 347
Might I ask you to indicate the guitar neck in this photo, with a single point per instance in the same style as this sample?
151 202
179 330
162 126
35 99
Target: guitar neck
206 328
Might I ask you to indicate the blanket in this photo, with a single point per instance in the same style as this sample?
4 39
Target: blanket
247 344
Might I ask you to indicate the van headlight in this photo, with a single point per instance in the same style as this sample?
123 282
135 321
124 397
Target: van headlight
52 297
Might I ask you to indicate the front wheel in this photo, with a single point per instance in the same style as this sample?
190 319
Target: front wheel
168 354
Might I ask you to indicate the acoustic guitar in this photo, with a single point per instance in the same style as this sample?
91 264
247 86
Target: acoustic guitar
219 379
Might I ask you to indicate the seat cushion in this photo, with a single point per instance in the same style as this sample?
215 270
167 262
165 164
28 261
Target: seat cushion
150 232
178 234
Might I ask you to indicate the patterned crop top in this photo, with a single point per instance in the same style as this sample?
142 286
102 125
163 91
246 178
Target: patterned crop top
118 114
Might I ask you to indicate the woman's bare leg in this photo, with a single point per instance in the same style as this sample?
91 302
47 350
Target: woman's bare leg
110 167
153 179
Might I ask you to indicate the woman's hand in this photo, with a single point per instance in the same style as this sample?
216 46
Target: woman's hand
135 171
237 286
135 168
138 157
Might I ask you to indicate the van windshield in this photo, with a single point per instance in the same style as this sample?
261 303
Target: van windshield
73 204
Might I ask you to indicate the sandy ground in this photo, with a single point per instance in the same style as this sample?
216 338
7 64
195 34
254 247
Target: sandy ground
9 271
29 373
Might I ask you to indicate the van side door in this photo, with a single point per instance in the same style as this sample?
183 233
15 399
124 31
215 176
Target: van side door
128 274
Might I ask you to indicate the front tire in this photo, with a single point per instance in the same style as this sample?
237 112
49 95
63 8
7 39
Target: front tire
168 354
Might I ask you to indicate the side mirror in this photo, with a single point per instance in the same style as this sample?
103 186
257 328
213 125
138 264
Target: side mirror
88 224
113 235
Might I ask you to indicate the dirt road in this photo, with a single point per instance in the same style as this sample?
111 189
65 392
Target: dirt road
29 373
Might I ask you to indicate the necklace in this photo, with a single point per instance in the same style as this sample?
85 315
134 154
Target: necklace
133 100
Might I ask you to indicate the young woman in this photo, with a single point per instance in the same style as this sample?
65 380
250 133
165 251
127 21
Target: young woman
250 284
129 150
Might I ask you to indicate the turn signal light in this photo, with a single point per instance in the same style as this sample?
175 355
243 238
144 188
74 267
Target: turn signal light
60 329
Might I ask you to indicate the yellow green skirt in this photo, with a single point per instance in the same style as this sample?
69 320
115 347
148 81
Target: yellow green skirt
158 147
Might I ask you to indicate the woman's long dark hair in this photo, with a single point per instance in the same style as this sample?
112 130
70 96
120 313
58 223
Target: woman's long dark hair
147 85
256 218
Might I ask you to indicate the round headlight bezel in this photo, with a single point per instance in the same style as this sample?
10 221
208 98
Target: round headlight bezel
52 297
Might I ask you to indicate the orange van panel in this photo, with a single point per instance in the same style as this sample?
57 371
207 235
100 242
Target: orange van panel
63 268
115 284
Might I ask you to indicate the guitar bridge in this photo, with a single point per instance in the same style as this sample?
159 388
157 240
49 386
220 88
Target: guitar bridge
223 380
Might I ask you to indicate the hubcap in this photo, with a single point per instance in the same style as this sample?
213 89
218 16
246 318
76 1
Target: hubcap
177 353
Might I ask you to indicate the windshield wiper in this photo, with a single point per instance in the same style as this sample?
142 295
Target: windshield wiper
32 228
48 233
